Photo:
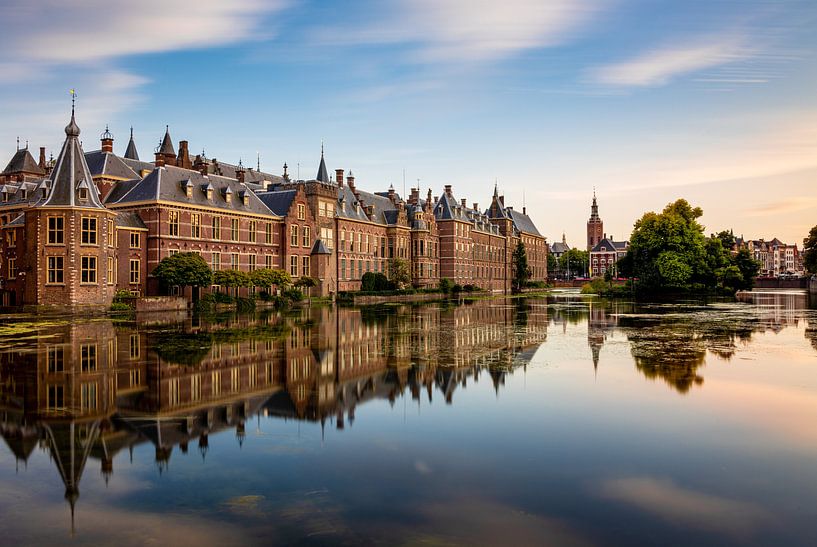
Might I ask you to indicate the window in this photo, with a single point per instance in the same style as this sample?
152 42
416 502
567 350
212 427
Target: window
195 225
55 361
293 266
305 266
253 262
111 270
328 236
88 269
253 229
359 242
56 397
216 262
134 346
301 211
135 377
111 234
88 399
11 238
215 382
55 270
235 261
216 227
234 229
12 262
173 222
305 241
88 231
56 230
87 357
293 235
268 261
234 379
135 271
268 233
343 268
173 391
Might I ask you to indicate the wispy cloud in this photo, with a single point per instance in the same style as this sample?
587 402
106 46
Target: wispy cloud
659 66
471 30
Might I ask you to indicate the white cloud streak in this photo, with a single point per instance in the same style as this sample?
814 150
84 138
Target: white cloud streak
659 66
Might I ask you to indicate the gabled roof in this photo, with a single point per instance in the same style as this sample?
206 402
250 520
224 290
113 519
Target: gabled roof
138 166
71 173
22 161
346 205
108 164
129 219
560 247
168 184
279 201
608 245
523 223
131 152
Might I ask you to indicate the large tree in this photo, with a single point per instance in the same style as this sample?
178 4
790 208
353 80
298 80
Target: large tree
521 270
574 262
399 273
810 251
268 277
232 279
183 270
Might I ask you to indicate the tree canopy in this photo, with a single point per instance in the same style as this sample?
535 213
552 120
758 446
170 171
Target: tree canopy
231 278
399 273
575 262
184 270
521 270
669 252
810 251
267 277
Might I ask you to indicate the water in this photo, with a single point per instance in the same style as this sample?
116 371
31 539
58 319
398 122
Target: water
564 420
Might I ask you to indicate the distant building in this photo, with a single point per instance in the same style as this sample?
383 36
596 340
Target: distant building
595 226
605 254
775 257
559 248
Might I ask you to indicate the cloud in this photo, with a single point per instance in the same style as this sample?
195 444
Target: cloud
472 30
661 65
685 506
789 205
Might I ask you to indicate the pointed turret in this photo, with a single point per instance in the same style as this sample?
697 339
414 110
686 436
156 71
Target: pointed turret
71 181
131 152
323 174
166 147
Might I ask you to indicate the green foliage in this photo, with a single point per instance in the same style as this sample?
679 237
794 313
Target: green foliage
268 277
810 251
399 273
553 265
574 261
120 306
521 270
231 278
183 270
293 295
375 282
446 285
668 251
306 282
596 286
457 288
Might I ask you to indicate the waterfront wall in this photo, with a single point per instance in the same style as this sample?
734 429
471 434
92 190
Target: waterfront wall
161 303
781 283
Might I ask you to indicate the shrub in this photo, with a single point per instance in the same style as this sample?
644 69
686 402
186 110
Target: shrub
457 288
120 306
293 295
446 285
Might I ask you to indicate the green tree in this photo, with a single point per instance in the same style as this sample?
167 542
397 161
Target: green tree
305 283
269 277
727 239
399 273
232 279
445 285
810 251
574 262
748 268
521 270
553 266
183 270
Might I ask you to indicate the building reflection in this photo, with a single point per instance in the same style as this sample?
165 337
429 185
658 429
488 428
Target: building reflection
85 392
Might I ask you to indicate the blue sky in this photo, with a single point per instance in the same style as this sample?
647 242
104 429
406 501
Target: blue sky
646 101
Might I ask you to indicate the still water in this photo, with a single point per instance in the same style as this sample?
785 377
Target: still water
560 420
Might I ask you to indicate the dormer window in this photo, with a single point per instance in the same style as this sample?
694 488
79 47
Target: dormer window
245 198
188 188
82 194
228 196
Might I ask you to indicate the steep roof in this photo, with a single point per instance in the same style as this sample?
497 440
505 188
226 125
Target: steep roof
560 247
319 248
523 223
14 194
22 161
278 201
167 143
131 152
71 174
129 219
608 245
108 164
346 205
323 174
169 183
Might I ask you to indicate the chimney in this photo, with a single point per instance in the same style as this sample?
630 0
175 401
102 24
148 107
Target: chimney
462 202
524 210
350 180
448 190
107 141
391 193
183 159
239 172
160 160
369 211
339 176
41 163
415 196
476 206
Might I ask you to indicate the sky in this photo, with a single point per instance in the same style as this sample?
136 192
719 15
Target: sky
645 101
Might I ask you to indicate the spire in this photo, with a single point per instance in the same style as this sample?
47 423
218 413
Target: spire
131 152
72 184
323 174
496 189
594 209
166 147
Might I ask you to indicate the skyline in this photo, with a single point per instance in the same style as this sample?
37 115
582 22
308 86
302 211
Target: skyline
702 101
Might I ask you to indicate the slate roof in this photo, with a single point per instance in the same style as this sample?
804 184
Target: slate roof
346 206
167 143
16 191
108 164
168 184
129 219
323 174
138 166
523 223
279 201
131 152
23 161
319 248
560 247
608 245
71 173
447 208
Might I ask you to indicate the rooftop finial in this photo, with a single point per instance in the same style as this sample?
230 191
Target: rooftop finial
107 134
73 101
72 129
131 132
18 143
258 161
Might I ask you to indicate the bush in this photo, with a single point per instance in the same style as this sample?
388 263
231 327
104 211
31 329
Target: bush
375 282
446 285
471 288
457 288
293 295
120 306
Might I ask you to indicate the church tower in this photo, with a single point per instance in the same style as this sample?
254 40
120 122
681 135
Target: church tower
595 226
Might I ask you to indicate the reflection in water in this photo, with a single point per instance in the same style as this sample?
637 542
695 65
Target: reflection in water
87 391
